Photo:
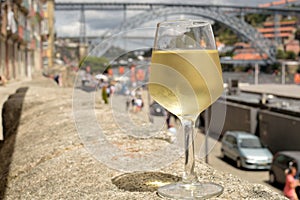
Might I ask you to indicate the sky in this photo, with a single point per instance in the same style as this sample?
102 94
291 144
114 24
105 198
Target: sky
98 22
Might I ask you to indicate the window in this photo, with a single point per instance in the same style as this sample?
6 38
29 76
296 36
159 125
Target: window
44 28
45 6
230 139
283 161
250 143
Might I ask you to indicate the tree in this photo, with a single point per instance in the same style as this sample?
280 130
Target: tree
256 19
97 64
280 54
297 34
290 55
225 35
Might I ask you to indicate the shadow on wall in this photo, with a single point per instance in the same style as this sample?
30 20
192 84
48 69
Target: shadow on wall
11 114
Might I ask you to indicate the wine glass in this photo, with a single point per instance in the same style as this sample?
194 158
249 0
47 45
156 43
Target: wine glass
186 78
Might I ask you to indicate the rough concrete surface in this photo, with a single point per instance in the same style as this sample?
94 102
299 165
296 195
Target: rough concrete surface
44 158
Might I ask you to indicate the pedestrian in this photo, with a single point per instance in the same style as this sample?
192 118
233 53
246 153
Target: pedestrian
297 77
290 182
58 79
2 80
104 94
133 104
128 100
139 104
168 119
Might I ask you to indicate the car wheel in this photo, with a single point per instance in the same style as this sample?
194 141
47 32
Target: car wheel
272 178
238 163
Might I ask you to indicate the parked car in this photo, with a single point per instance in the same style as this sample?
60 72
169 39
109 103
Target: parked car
246 150
281 163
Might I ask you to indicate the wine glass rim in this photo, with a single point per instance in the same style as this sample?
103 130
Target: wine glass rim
183 22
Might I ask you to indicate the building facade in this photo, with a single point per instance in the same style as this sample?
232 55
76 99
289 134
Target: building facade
21 38
48 35
284 33
285 30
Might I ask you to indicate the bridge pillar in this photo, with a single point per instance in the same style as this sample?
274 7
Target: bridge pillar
82 31
282 73
83 51
256 72
277 30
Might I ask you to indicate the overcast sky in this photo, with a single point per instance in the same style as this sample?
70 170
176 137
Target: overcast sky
98 22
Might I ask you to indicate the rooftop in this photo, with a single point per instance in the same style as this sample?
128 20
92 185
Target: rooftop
281 29
290 22
249 56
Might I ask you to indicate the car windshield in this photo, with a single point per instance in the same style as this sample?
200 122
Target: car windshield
250 143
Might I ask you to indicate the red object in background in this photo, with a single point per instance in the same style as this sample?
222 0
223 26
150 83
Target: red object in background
110 72
21 32
121 70
32 44
140 75
297 78
132 73
88 69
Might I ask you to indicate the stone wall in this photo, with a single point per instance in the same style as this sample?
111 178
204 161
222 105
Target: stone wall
44 158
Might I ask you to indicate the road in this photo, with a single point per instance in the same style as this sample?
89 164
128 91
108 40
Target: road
215 160
253 176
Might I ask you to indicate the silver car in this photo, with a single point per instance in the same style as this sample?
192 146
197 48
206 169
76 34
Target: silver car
246 150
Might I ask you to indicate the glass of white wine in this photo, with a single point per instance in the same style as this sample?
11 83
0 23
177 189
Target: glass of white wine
186 78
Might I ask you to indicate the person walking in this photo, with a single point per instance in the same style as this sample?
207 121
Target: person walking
3 80
291 183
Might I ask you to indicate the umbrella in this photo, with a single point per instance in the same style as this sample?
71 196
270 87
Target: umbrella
101 76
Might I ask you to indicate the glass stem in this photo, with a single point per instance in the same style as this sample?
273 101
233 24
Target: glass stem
189 165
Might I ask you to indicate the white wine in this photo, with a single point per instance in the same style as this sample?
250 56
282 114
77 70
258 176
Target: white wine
185 82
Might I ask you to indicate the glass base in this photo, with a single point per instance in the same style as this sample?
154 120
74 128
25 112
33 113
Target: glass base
190 191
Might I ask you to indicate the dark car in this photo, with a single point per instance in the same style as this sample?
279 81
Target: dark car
280 164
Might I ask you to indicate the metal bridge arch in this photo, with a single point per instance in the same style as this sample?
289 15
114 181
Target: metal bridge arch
245 30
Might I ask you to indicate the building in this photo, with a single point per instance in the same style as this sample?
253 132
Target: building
285 30
48 34
285 33
35 18
279 3
20 39
293 45
244 51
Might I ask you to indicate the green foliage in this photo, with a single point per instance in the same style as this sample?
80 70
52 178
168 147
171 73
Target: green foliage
225 35
228 37
280 54
227 53
256 19
297 34
97 64
290 55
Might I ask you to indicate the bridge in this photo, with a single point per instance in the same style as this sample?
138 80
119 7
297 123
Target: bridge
151 6
225 14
